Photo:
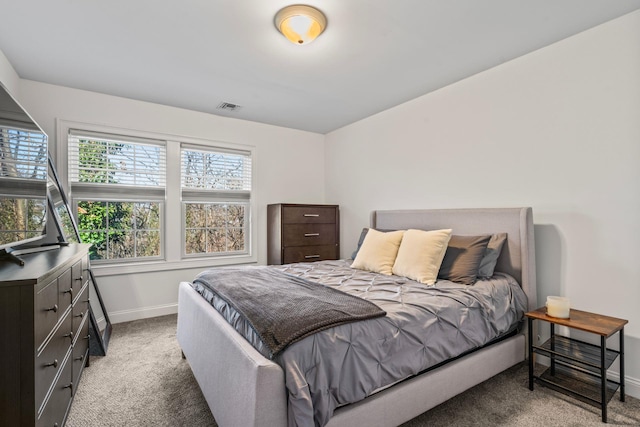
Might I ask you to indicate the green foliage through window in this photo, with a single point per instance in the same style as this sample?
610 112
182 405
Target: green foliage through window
120 229
214 227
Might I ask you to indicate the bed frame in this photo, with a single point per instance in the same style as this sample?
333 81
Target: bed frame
243 388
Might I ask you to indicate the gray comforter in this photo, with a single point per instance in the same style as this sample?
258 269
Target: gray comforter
424 326
282 308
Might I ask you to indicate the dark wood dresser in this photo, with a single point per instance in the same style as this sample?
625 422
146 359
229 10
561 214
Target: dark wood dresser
44 335
302 233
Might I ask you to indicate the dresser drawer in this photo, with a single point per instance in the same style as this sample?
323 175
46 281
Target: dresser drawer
85 270
309 253
309 234
80 351
77 277
308 215
80 309
65 290
55 411
46 311
50 359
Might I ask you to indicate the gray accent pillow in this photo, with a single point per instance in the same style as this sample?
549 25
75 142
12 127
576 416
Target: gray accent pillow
491 254
363 234
462 259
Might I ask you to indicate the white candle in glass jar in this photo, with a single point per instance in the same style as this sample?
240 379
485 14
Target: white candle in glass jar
558 307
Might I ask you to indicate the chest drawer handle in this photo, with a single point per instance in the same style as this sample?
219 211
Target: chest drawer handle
69 386
54 364
69 335
311 234
81 315
79 357
311 256
68 291
312 215
54 308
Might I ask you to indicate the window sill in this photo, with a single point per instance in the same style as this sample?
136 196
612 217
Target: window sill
162 265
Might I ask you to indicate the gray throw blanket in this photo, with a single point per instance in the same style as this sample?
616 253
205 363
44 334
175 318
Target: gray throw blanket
282 308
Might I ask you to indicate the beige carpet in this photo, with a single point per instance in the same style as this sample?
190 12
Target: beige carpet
143 381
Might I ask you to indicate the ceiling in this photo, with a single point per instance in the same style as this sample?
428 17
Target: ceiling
195 54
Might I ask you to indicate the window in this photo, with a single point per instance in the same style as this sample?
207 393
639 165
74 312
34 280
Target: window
216 188
118 188
129 192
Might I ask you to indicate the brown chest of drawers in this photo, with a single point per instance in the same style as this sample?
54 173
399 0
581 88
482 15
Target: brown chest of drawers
302 233
44 335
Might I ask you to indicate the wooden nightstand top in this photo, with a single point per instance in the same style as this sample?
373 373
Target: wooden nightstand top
583 320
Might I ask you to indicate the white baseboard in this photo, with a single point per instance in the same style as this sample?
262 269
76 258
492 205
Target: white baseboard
142 313
631 385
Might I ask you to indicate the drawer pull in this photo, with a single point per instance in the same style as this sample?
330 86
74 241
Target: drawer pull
79 357
312 215
69 335
78 279
69 386
68 291
311 256
311 234
81 315
54 364
54 308
87 337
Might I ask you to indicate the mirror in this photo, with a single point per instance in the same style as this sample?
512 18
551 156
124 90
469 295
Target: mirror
23 177
68 233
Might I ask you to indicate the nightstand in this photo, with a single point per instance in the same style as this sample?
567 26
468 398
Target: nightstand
577 368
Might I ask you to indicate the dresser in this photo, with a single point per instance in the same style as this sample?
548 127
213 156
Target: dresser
302 233
44 335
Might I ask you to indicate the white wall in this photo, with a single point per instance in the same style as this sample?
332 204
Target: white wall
558 130
8 76
282 163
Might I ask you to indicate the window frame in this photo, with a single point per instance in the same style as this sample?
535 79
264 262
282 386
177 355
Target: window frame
128 192
172 246
198 195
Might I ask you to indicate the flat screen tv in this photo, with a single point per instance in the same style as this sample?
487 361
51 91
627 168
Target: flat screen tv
23 176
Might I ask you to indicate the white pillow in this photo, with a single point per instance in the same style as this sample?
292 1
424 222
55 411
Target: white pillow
420 255
378 251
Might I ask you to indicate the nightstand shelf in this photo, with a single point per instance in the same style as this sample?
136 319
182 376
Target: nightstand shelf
578 368
578 385
585 356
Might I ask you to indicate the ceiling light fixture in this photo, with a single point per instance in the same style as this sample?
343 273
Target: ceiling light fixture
300 24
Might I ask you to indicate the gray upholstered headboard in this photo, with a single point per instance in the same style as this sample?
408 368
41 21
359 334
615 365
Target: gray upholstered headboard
518 255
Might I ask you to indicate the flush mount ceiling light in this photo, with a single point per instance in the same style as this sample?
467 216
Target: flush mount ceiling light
300 24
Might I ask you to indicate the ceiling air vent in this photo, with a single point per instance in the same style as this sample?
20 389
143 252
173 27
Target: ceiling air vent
227 106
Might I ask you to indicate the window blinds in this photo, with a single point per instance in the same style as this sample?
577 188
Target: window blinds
23 154
23 159
113 165
223 173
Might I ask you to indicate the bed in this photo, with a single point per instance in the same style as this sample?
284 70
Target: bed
244 388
